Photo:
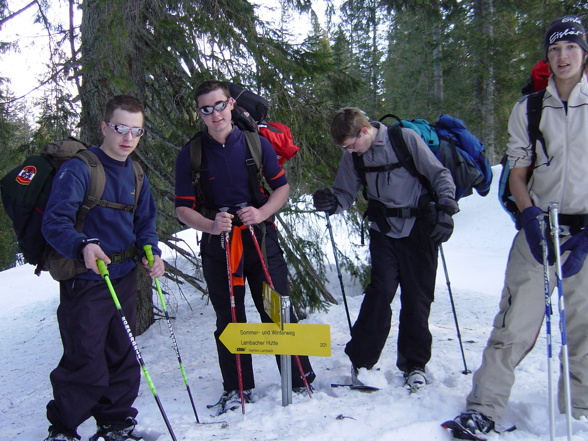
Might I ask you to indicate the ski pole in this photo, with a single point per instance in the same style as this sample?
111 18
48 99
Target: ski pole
227 246
541 219
339 271
465 366
104 273
271 284
554 223
149 255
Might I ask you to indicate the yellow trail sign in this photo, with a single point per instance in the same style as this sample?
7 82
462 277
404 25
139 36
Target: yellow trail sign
267 338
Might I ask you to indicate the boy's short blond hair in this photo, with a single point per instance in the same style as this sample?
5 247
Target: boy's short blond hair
347 123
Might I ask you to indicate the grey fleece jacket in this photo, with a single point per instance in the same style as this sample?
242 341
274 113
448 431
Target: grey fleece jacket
396 188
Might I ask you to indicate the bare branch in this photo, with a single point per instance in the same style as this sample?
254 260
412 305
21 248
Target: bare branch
11 16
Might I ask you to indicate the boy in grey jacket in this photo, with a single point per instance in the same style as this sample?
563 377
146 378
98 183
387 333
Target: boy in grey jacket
406 226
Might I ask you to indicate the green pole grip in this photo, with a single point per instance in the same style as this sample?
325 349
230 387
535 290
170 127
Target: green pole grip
148 254
102 267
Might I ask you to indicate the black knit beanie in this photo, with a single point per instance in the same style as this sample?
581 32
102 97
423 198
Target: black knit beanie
568 28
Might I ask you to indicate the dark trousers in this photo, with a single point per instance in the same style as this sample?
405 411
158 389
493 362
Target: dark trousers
215 273
410 262
98 374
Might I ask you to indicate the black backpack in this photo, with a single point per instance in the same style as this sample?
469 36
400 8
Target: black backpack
26 189
534 110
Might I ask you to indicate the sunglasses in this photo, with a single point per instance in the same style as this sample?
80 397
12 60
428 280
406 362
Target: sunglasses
121 129
219 107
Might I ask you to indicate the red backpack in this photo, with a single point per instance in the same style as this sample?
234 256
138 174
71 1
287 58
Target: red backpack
539 77
280 137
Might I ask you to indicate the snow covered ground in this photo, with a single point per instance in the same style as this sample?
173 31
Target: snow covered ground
476 257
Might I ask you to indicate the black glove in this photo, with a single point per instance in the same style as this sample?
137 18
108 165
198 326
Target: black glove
243 120
448 205
577 245
533 233
325 200
443 229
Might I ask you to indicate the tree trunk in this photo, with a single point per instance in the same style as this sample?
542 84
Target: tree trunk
437 63
488 111
485 82
112 66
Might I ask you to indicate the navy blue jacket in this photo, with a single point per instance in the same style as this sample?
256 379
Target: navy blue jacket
117 230
227 178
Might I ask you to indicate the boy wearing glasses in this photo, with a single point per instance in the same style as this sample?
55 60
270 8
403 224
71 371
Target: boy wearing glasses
406 227
228 205
98 375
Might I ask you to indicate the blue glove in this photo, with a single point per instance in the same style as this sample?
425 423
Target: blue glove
577 245
533 232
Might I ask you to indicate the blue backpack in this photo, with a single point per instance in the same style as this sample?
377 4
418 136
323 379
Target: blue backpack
455 147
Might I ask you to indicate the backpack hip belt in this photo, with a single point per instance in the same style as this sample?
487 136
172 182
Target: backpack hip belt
121 256
575 221
402 212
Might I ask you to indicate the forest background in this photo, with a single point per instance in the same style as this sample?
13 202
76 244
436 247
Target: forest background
416 59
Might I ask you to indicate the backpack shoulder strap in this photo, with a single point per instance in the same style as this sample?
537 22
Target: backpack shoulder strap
196 167
196 157
254 144
534 110
360 169
139 177
405 157
97 183
254 163
401 149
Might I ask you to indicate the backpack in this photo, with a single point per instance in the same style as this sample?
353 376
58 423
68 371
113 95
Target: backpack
455 147
26 189
256 110
534 110
540 74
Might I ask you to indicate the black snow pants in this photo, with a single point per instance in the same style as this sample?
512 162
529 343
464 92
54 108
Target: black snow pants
410 262
98 375
215 273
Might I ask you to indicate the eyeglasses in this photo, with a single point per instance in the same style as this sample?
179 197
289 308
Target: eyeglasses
121 129
352 145
218 106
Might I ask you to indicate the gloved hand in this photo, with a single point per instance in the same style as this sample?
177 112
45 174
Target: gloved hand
325 200
533 232
443 229
577 245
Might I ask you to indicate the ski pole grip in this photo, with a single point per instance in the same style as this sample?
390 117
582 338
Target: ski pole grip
148 254
102 267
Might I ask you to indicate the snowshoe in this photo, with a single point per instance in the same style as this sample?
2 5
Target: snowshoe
362 388
356 383
55 435
470 425
230 400
415 379
117 432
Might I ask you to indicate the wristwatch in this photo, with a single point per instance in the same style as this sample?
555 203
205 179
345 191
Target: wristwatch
84 243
